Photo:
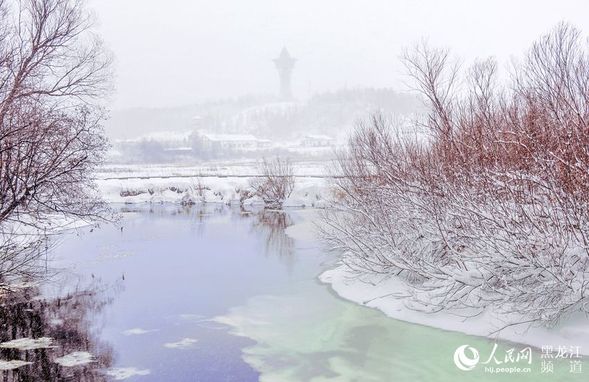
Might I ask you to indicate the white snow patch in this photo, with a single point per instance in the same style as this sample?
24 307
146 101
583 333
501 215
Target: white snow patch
184 343
10 365
304 231
75 359
374 292
120 373
28 343
159 184
138 331
56 322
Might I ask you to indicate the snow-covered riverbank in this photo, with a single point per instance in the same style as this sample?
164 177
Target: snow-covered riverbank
209 183
385 294
308 191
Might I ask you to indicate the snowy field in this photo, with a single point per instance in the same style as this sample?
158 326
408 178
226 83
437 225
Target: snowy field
211 182
205 168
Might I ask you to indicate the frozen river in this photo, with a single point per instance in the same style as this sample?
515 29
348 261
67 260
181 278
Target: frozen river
220 294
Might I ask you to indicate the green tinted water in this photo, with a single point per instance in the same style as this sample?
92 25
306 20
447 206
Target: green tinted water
315 336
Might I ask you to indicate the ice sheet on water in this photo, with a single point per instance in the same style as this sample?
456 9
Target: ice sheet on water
28 343
10 365
121 373
184 343
138 331
75 359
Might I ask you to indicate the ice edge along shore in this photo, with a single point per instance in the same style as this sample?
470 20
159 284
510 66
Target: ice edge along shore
375 292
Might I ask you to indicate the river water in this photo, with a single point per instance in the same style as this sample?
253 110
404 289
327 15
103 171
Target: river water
216 293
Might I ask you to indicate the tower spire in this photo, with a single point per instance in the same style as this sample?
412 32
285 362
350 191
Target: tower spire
284 64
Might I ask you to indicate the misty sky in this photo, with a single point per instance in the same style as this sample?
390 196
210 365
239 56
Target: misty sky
178 52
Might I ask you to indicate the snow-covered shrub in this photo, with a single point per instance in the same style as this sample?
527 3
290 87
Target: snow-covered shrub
244 195
131 192
275 183
492 211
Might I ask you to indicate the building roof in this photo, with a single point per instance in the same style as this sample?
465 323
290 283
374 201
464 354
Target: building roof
318 137
231 137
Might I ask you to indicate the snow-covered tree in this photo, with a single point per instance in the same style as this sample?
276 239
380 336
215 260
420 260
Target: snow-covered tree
491 211
53 74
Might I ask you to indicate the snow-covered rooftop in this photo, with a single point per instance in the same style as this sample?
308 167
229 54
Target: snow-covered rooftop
318 137
232 137
161 136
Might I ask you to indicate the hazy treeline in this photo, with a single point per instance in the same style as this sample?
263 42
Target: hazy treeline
326 113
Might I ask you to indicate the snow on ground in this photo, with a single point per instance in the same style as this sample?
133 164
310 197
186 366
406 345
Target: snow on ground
375 292
307 228
189 186
204 169
385 294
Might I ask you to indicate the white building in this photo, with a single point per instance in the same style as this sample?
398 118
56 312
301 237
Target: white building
317 140
232 142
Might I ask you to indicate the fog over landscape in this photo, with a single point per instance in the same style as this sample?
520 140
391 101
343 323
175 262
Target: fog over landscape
186 52
191 59
294 191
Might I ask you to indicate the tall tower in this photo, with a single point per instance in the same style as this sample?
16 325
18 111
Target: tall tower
284 64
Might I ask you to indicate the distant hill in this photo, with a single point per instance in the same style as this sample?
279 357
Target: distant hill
135 122
332 113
